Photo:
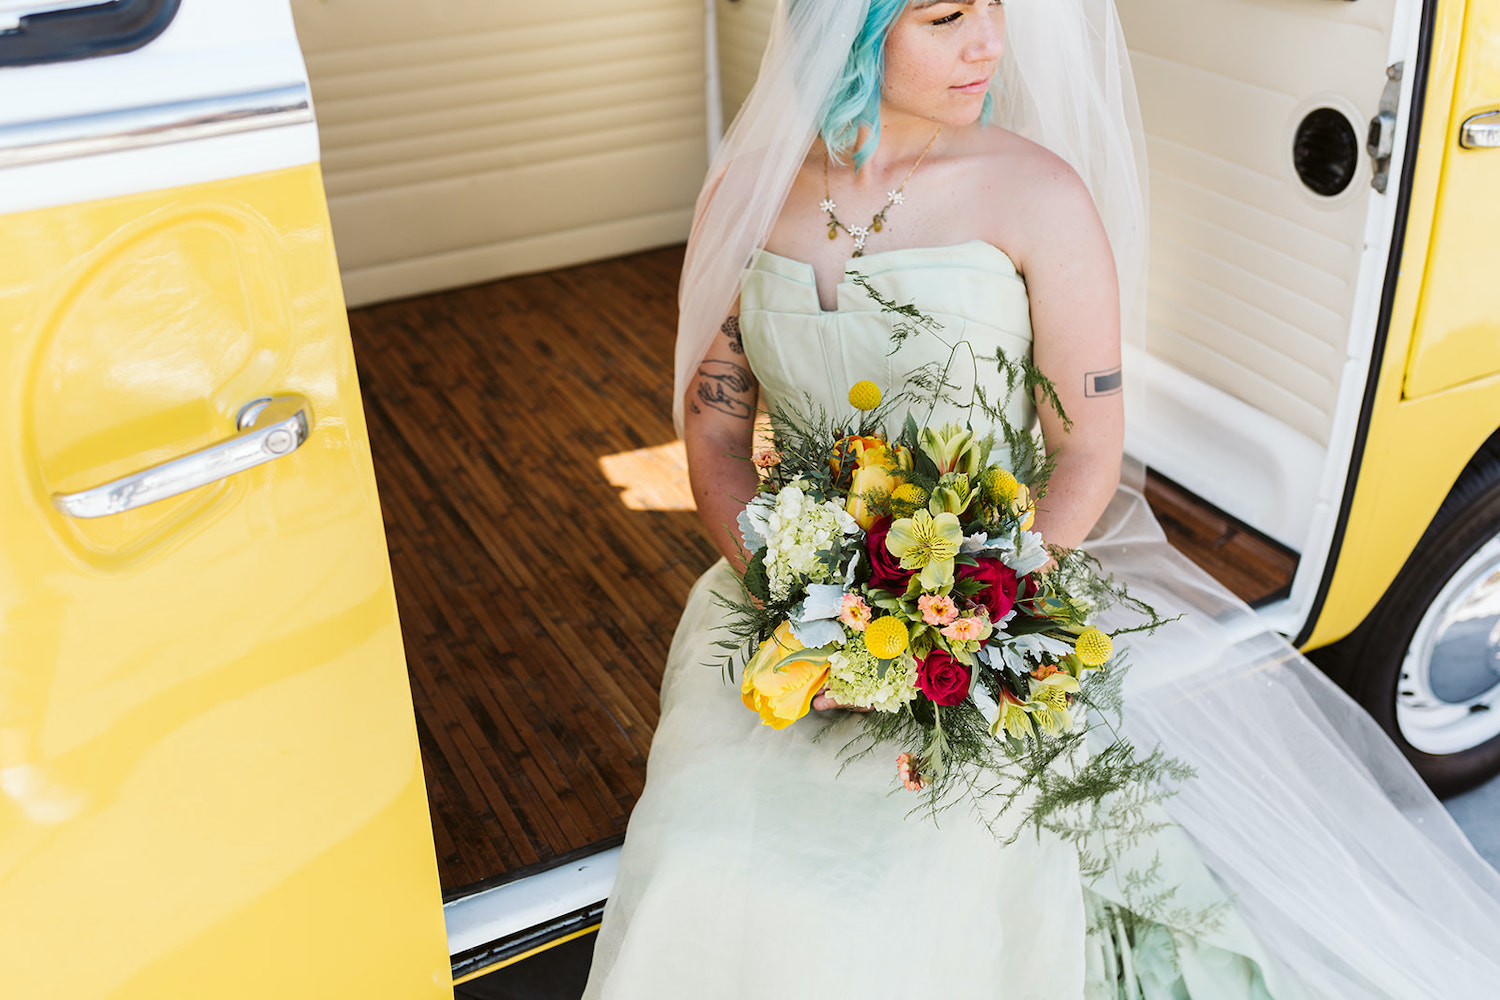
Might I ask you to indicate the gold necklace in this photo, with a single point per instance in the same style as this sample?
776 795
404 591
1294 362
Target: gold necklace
877 222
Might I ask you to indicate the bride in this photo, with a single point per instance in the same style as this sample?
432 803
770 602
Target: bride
977 160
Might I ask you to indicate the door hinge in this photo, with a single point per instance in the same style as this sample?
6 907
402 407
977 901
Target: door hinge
1382 135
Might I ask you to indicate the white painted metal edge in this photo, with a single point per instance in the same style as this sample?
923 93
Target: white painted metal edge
508 909
712 89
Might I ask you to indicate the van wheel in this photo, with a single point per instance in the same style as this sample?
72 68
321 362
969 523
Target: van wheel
1426 663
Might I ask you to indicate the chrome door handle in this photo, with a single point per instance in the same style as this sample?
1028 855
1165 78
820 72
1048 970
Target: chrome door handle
1481 131
270 428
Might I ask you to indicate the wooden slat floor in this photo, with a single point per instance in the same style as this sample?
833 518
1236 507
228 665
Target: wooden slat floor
537 597
1252 566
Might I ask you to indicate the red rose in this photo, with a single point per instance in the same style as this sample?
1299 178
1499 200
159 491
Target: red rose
998 586
942 679
885 569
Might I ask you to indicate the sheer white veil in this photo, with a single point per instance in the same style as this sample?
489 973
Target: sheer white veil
1350 874
1064 82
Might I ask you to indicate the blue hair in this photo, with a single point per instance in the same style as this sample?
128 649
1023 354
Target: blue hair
856 96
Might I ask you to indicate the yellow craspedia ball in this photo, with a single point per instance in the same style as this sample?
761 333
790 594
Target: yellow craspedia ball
1094 647
864 395
886 637
908 495
998 486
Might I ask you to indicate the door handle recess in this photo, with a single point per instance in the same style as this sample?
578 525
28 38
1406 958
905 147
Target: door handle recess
1481 131
269 428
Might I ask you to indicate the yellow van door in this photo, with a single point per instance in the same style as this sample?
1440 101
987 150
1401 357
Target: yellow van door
209 775
1457 334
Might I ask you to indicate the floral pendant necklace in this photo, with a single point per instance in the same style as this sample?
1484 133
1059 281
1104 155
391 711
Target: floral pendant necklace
877 223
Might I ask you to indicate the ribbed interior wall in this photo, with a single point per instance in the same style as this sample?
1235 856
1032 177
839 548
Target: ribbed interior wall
465 140
1252 275
743 27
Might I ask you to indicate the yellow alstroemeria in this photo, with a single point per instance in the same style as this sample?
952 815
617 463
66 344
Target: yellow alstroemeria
953 494
928 543
777 683
1049 702
1013 718
954 449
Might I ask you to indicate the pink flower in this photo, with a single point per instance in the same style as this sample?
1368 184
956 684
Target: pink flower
909 777
854 612
766 458
965 629
937 609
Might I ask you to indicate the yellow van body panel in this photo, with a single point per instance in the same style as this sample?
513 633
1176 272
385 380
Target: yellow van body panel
1457 335
1416 447
209 776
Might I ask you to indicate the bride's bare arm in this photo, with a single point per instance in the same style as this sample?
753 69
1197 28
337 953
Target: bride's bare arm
718 427
1075 316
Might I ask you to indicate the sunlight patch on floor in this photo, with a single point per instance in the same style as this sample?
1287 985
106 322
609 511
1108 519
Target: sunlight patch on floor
653 478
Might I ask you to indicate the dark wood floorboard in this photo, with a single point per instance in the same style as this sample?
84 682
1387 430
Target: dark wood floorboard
537 606
1250 565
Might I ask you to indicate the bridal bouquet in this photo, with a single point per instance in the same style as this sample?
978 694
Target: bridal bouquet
901 574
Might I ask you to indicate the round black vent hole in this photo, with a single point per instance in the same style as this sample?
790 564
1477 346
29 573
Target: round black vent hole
1326 151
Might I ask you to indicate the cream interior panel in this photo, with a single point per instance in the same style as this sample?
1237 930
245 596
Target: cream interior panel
465 140
1252 275
744 26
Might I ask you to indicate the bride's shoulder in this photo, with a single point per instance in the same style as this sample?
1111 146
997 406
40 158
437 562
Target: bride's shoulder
1028 172
1028 196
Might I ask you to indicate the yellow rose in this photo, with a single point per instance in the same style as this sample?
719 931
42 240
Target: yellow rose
875 463
868 481
1024 507
779 685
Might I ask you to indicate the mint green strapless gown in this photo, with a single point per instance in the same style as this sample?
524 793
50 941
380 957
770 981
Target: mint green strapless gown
753 868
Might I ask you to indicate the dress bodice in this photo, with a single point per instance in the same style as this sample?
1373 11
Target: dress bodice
798 350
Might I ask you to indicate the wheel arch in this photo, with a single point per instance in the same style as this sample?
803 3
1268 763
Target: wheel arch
1482 464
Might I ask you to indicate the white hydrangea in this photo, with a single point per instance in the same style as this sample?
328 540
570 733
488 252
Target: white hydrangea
799 533
854 678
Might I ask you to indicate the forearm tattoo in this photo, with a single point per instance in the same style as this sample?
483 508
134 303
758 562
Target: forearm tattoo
723 386
1105 383
731 329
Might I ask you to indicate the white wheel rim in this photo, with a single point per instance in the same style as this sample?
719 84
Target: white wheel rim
1448 697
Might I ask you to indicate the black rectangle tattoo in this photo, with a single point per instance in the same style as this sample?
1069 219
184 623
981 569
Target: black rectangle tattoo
1105 383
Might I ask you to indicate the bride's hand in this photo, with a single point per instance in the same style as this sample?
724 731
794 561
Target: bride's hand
822 703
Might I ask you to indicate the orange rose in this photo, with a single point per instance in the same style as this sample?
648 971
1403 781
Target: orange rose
779 685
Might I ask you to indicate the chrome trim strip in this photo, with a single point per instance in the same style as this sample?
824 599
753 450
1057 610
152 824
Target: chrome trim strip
157 125
11 11
496 914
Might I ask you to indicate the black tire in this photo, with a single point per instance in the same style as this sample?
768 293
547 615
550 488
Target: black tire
1368 664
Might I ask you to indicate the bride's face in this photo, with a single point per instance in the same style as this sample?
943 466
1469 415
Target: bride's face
939 57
